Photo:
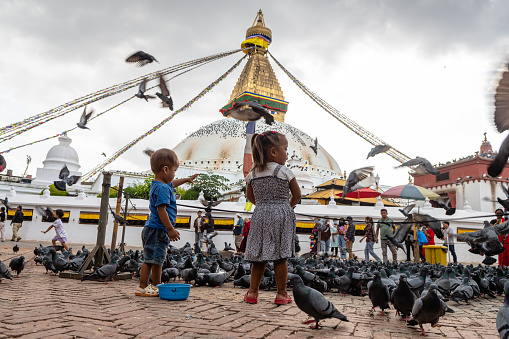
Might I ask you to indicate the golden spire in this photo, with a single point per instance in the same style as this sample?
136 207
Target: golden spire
257 80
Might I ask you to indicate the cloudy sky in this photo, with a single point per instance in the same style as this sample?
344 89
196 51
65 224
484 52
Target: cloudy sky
418 74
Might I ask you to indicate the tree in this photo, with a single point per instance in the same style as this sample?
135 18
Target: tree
141 191
54 192
210 184
190 194
113 192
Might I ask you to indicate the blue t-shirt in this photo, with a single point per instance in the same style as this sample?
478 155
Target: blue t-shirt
161 194
421 238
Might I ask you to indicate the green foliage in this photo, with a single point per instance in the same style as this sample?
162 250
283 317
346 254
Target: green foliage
210 184
113 192
54 192
141 191
190 194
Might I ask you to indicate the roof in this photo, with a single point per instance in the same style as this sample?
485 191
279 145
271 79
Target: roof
325 194
336 182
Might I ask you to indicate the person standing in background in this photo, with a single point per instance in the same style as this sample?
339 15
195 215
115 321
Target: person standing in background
237 231
449 240
350 238
17 223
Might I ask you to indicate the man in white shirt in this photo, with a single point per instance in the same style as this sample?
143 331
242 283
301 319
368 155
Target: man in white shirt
449 239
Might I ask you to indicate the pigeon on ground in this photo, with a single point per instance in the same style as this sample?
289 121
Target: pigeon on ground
66 179
315 146
189 274
84 119
216 279
141 91
427 309
313 303
165 96
378 294
502 316
104 272
463 292
421 161
141 58
378 149
15 249
250 111
17 265
4 272
403 299
359 178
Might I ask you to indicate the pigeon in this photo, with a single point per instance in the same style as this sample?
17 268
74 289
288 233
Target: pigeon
216 279
5 202
3 163
403 298
228 247
141 58
501 119
15 249
434 224
502 316
445 204
378 293
359 178
439 295
503 202
84 119
463 292
47 261
141 91
104 272
17 265
486 240
189 274
165 97
118 218
315 146
427 309
4 272
377 150
104 154
47 213
250 111
420 161
61 185
395 242
500 160
489 260
313 303
148 151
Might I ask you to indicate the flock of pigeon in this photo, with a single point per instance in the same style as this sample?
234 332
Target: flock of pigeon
420 291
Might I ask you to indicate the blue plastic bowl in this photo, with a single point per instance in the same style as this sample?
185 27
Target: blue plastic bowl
174 291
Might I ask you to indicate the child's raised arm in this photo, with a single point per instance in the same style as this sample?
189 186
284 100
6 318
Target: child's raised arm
48 229
178 182
295 190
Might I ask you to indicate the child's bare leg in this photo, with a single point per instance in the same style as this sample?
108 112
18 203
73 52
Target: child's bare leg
281 271
156 274
65 246
257 270
54 242
145 274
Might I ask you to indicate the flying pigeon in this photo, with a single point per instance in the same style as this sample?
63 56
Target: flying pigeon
501 119
250 111
61 185
141 58
421 161
3 163
104 154
503 202
165 97
141 91
359 178
46 213
486 240
377 150
431 222
445 204
5 202
148 151
84 119
313 303
315 146
502 316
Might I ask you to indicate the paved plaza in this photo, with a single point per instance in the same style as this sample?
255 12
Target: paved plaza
37 305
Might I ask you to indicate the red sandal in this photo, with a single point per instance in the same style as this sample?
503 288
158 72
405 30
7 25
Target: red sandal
250 300
288 300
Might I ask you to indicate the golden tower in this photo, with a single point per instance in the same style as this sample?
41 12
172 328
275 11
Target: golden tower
257 82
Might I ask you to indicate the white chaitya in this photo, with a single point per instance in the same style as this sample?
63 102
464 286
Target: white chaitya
58 156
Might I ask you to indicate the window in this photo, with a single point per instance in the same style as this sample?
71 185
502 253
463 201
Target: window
442 176
65 218
27 214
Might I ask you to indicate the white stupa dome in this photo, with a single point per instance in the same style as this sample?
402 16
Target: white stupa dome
58 156
220 146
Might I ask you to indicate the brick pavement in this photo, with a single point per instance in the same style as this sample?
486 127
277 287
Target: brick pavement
38 306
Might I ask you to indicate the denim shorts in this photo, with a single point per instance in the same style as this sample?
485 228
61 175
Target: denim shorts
155 243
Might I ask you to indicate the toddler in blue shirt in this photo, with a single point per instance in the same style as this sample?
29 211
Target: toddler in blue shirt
159 230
